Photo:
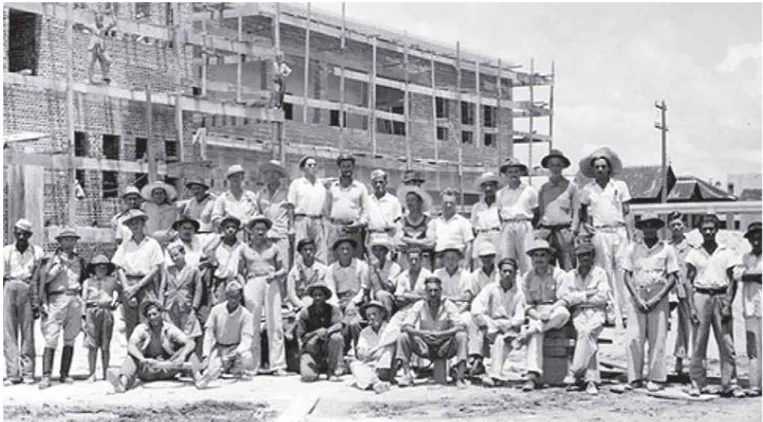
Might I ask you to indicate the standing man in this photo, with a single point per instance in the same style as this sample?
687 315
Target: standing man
131 199
20 260
271 200
518 204
651 269
197 246
413 178
139 260
452 230
346 278
199 206
347 206
749 273
559 204
264 271
606 201
385 210
307 200
158 204
710 269
62 280
682 291
585 290
223 265
236 201
416 228
281 71
545 309
486 219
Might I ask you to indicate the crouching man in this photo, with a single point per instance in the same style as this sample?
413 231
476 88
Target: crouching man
373 367
156 350
585 290
545 310
319 329
434 330
228 338
496 315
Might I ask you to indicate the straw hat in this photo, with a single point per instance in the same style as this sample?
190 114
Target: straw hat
260 219
321 286
198 182
426 198
539 245
345 157
67 232
232 219
133 214
100 260
487 177
586 164
146 191
181 220
374 304
130 190
380 239
413 176
486 249
341 240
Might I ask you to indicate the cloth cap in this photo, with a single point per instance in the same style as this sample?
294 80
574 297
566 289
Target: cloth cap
345 157
303 160
67 232
304 242
583 248
486 249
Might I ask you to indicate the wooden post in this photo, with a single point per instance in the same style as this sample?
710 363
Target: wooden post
240 63
551 108
307 68
204 59
372 97
70 114
532 113
434 122
496 118
178 109
150 149
342 41
406 105
478 112
279 152
459 135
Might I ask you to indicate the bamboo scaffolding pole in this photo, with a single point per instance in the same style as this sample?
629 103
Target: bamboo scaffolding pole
459 136
532 117
72 174
478 113
407 106
372 97
496 118
241 57
434 123
342 44
305 107
279 152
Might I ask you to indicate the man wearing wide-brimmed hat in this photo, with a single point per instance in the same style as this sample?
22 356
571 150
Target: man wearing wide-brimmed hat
305 272
272 202
416 229
100 292
185 231
319 329
651 270
382 271
372 366
21 261
158 204
265 271
486 272
385 211
148 363
559 204
236 201
545 309
131 200
62 284
223 263
749 273
518 204
139 261
606 201
586 292
413 178
199 206
485 218
347 205
307 199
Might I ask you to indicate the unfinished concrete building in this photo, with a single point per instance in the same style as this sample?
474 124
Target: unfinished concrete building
190 95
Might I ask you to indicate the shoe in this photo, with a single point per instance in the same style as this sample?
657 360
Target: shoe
592 389
487 381
66 380
694 391
115 380
405 381
91 378
652 386
28 380
753 392
44 382
477 368
734 392
381 387
528 386
280 373
462 384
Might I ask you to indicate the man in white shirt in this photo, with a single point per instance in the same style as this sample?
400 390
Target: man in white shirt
451 230
486 273
236 201
272 202
372 366
307 198
749 273
710 269
131 200
606 201
455 280
385 210
518 204
20 260
486 218
199 206
347 206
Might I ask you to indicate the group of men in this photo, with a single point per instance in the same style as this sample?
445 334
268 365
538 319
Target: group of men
379 285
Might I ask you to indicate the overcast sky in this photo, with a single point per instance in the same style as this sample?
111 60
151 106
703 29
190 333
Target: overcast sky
612 62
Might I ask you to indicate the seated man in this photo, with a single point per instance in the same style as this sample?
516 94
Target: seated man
305 272
486 273
346 277
456 281
382 271
434 330
496 315
157 350
373 366
545 311
585 290
228 338
319 329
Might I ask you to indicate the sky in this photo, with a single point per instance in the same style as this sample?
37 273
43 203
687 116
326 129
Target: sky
612 62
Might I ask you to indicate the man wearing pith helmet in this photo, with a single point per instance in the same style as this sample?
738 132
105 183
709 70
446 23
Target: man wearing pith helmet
559 203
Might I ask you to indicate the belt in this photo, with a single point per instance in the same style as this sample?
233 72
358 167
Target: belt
341 222
555 226
68 292
541 303
711 291
609 226
227 345
514 220
312 217
492 229
379 230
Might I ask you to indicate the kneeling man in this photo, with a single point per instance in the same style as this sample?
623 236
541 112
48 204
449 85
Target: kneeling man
319 329
156 350
434 330
373 367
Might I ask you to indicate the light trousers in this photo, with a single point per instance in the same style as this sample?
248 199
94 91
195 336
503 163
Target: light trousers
515 237
320 355
754 342
709 313
611 244
261 296
588 323
558 318
312 228
684 331
18 330
227 359
64 315
650 328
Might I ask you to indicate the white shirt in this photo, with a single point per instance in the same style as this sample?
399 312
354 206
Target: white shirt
750 290
485 218
455 232
404 284
517 203
200 211
228 260
138 259
350 203
711 269
605 206
193 251
20 266
275 207
496 303
367 340
384 212
306 197
478 280
454 286
574 287
245 209
650 266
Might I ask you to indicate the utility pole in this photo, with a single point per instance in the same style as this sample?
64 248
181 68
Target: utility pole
663 128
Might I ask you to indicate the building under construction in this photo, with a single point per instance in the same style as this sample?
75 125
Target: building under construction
190 93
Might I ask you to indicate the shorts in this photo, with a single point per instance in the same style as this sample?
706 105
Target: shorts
99 325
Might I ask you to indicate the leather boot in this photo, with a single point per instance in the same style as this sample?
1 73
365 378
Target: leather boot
66 364
47 367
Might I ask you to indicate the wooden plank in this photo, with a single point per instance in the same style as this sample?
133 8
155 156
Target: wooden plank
372 97
531 131
342 46
34 179
307 68
65 162
186 103
72 203
434 121
299 408
407 105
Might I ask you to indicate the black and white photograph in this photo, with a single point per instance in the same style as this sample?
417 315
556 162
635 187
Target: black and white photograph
382 211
